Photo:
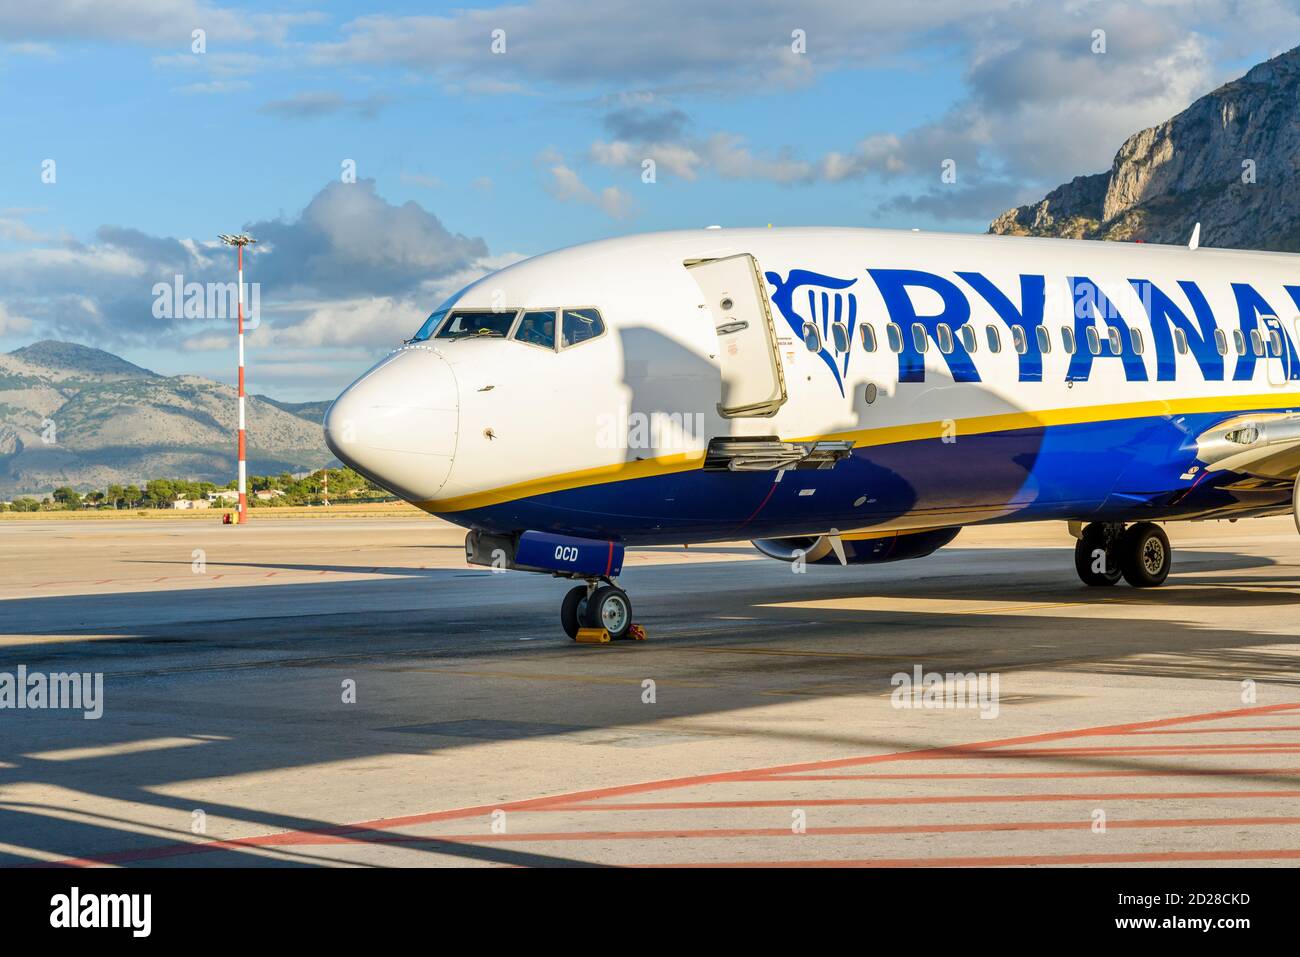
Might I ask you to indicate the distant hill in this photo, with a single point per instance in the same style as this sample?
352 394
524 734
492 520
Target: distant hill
311 411
79 360
1195 167
74 415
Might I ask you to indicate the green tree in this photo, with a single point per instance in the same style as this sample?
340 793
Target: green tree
160 493
67 496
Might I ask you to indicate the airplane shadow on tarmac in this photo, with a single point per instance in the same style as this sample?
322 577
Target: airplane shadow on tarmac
241 680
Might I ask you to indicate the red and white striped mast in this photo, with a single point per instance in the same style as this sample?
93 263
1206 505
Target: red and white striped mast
239 241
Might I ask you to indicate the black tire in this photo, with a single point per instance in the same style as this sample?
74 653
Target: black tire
571 610
1096 540
611 609
1145 555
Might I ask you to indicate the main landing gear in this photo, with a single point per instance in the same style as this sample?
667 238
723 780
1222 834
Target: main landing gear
1107 551
597 604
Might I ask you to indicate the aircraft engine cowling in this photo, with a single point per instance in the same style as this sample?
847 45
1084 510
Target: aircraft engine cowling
879 548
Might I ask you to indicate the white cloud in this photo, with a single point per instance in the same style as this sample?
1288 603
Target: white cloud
564 183
32 269
11 324
160 23
1037 105
373 321
360 321
349 240
16 230
732 159
679 159
42 50
216 86
352 268
215 63
731 45
206 342
324 103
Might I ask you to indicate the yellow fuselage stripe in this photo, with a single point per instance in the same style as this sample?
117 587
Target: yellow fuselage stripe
866 438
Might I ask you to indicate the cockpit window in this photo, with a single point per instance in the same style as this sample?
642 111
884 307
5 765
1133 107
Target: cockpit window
580 325
537 328
436 318
473 323
430 324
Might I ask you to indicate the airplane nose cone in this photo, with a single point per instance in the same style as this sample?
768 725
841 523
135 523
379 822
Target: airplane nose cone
397 424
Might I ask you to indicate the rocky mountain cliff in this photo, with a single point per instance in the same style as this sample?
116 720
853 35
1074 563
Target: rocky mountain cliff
1228 161
73 415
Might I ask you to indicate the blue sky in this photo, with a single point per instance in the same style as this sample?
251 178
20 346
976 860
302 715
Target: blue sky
467 159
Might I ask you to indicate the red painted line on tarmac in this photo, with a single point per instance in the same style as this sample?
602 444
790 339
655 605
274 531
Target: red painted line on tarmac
592 794
1152 857
840 831
1031 775
1144 748
1280 747
963 753
1261 728
927 799
979 748
320 840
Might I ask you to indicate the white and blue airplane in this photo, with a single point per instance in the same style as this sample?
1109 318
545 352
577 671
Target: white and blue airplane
843 396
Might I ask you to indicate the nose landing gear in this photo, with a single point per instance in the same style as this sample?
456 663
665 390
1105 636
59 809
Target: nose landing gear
1107 551
1145 555
1096 554
597 604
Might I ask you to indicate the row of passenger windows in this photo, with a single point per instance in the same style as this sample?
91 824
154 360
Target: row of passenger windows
1110 344
536 327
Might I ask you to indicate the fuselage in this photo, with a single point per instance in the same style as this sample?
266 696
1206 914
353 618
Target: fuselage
977 378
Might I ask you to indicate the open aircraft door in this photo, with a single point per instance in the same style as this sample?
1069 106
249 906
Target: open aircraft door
753 382
1277 351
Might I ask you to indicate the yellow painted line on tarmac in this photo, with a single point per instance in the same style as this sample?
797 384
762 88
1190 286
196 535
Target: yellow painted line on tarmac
21 641
124 747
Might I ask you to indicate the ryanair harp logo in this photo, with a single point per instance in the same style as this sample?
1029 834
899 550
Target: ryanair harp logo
807 298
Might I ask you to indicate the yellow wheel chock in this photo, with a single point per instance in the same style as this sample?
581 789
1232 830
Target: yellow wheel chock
599 636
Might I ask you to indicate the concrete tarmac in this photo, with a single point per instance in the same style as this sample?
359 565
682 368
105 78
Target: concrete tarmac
349 692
